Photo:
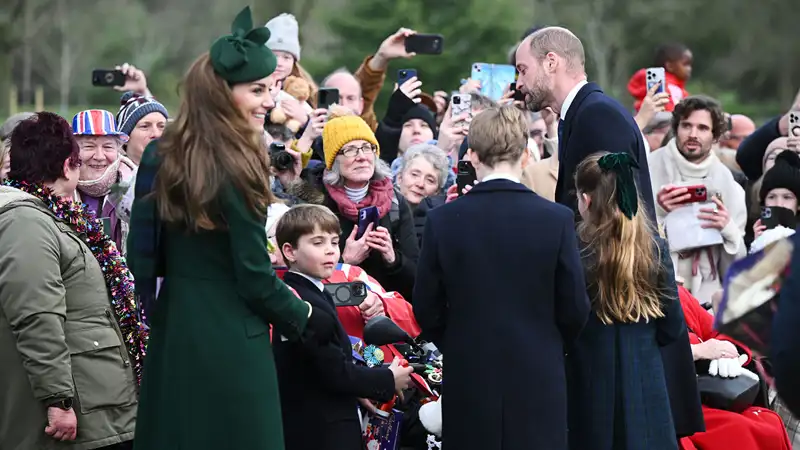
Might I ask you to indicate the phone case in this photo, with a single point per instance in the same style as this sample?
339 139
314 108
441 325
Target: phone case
794 123
461 103
655 75
425 44
404 75
366 216
347 294
327 97
494 78
466 176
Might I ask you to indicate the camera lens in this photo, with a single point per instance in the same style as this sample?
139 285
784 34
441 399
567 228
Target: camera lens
280 158
358 290
456 100
109 77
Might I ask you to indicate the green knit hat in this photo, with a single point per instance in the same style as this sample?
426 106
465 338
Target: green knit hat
242 57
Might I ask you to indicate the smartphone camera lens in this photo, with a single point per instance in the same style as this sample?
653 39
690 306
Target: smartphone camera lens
767 213
109 77
358 290
700 192
456 100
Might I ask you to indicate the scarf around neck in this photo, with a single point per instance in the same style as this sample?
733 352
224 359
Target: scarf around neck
102 186
379 194
688 169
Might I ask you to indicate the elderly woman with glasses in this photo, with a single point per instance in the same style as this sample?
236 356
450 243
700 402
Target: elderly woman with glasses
355 181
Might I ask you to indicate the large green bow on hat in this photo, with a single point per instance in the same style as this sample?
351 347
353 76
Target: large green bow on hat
243 56
622 164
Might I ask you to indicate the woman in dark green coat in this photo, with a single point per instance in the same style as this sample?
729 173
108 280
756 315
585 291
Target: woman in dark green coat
209 377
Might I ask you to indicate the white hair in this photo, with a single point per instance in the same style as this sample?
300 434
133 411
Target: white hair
333 176
430 153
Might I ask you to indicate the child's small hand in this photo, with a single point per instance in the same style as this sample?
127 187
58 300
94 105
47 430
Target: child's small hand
402 375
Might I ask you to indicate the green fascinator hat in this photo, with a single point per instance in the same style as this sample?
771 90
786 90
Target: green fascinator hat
242 56
622 164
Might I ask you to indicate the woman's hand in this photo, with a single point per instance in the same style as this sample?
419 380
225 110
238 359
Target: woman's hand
134 80
381 241
356 250
470 86
412 89
715 349
716 217
452 192
758 228
452 132
294 109
368 406
652 104
402 375
372 306
317 121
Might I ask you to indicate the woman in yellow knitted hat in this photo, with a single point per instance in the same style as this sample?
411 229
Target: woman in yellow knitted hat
355 178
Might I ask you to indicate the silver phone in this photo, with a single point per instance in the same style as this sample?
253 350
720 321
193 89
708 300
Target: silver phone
794 123
655 75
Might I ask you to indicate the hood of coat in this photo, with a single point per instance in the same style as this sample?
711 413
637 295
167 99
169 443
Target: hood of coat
10 195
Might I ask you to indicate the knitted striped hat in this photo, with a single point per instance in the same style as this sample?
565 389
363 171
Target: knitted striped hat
96 122
134 107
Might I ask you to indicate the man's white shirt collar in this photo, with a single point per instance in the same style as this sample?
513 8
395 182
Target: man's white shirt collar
571 97
500 176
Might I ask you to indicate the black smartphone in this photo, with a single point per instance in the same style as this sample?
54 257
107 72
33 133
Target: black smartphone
366 216
518 95
772 216
465 176
347 294
425 44
107 78
404 75
326 97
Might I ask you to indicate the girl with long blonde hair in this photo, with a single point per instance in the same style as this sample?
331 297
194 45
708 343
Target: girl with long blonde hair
618 393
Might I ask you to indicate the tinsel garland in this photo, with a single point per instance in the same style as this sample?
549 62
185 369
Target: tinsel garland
118 278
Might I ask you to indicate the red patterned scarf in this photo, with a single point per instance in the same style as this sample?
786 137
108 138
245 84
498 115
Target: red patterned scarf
379 194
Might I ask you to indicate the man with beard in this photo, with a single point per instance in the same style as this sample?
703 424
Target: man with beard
551 66
688 159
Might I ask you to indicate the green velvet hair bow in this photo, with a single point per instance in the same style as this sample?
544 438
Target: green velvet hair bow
622 164
243 56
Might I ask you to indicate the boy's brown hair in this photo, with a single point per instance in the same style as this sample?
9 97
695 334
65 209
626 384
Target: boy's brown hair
302 220
499 134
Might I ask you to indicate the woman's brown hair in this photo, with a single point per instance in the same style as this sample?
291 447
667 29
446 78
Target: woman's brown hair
625 259
210 143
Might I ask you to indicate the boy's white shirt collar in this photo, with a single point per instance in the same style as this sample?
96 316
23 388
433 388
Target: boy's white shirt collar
317 283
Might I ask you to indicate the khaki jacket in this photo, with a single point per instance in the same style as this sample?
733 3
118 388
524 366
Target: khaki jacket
541 176
58 334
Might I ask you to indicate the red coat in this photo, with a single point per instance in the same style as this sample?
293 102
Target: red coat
637 86
754 429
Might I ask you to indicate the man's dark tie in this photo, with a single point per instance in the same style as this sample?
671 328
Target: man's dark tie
560 138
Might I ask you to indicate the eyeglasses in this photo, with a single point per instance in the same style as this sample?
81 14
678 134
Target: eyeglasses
352 152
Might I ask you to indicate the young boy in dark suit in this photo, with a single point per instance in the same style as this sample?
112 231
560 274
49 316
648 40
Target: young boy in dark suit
320 386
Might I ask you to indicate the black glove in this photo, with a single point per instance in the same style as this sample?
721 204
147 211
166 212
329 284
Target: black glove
319 327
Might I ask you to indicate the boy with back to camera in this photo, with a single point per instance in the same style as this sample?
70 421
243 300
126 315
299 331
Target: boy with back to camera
320 386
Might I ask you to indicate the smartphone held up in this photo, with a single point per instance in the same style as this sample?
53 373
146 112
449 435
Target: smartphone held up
107 78
425 44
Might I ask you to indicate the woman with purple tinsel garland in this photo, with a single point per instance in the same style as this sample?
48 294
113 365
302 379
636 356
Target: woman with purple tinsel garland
70 344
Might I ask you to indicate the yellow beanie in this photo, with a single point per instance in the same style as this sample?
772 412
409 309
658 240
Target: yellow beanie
341 130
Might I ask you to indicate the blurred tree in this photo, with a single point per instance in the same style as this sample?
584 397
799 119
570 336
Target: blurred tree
472 32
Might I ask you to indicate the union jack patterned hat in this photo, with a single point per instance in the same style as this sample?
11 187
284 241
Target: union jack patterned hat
96 122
